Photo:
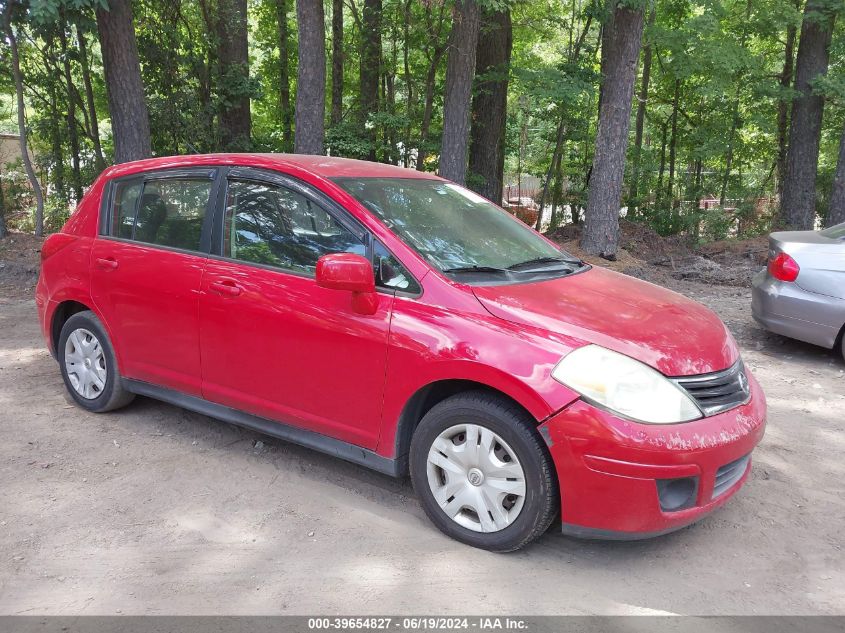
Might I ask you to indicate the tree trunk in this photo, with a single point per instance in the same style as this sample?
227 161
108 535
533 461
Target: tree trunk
410 95
735 121
311 78
370 70
560 135
460 69
696 187
489 105
72 131
729 154
658 197
436 48
388 90
94 131
22 136
551 175
428 108
130 120
783 105
233 57
601 229
642 102
337 61
673 145
57 174
557 193
605 44
284 74
798 205
206 75
836 213
3 229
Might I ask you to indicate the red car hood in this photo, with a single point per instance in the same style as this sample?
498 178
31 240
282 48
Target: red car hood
661 328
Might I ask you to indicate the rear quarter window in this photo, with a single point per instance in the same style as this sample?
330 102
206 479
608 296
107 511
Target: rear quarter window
167 212
125 204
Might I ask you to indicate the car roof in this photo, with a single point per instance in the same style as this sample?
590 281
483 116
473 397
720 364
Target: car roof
321 166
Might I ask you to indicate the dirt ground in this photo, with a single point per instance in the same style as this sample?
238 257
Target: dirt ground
156 510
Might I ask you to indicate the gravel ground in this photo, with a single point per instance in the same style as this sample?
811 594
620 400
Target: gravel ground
155 510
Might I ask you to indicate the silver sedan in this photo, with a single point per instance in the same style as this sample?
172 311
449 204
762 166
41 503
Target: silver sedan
801 293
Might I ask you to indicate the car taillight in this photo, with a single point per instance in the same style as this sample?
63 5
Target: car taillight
783 267
55 243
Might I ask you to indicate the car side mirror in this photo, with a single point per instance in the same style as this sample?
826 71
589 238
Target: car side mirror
353 273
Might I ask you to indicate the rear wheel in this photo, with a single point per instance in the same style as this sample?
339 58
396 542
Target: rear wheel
483 473
89 366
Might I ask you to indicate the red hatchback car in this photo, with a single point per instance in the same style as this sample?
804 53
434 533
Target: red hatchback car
401 322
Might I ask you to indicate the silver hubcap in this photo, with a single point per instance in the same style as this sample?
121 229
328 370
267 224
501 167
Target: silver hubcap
476 478
85 363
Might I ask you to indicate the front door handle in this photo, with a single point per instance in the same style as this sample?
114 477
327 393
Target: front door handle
226 287
109 263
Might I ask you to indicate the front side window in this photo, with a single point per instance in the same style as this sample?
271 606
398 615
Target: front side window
272 225
168 212
458 231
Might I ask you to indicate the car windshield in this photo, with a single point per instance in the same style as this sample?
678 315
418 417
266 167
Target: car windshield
836 232
457 230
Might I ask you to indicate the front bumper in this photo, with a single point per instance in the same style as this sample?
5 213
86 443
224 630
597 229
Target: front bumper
608 468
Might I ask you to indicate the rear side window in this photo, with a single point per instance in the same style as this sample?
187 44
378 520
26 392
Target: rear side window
272 225
125 203
168 212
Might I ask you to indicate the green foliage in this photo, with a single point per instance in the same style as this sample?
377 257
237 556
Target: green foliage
56 213
16 196
715 81
259 253
50 11
347 139
714 224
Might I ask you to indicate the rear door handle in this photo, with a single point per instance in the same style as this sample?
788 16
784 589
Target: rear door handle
109 263
226 287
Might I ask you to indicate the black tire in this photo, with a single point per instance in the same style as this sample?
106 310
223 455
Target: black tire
842 343
112 395
518 430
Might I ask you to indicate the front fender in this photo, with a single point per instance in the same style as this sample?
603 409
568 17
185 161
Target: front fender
429 344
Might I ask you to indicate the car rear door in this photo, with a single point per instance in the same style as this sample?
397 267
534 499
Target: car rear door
273 343
146 270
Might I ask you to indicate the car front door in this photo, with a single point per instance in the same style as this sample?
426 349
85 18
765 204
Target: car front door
146 269
274 343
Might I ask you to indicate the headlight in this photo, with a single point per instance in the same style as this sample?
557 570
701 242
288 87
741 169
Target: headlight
624 385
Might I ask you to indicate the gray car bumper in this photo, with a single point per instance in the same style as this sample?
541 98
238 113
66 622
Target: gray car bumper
787 309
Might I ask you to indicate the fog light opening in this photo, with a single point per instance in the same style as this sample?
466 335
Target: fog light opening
677 494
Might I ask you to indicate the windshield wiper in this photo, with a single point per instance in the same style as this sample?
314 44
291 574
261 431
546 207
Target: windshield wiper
545 260
475 269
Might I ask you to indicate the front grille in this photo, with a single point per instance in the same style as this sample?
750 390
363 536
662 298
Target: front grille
728 475
719 391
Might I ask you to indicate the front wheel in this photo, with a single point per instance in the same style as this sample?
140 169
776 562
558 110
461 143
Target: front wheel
483 473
